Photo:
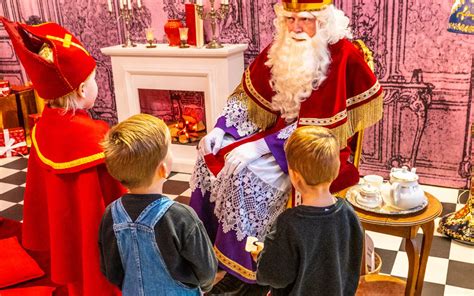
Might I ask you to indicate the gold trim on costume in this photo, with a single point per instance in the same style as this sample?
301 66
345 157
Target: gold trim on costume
358 119
363 96
64 165
66 42
253 92
246 273
324 121
294 6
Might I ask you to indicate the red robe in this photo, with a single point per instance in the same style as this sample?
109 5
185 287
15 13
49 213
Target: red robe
67 190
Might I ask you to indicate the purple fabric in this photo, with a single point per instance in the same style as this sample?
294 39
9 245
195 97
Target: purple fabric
229 130
233 249
205 211
277 149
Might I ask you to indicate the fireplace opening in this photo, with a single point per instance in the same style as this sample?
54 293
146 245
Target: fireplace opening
183 112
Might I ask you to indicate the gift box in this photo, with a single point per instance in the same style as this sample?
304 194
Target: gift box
4 88
13 142
9 112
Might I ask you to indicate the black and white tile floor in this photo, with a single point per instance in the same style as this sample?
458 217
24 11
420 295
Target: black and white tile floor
450 268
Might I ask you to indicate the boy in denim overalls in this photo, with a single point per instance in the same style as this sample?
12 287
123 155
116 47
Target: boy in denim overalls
149 244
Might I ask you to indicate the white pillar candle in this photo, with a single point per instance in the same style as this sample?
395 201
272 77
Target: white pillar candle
139 3
129 4
109 5
225 2
199 2
121 4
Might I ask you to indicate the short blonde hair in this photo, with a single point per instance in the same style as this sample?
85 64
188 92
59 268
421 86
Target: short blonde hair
313 152
135 148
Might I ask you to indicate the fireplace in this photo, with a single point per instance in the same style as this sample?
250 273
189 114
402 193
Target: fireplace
183 112
177 85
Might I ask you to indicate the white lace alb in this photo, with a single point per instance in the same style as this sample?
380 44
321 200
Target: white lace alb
236 115
286 132
246 204
201 177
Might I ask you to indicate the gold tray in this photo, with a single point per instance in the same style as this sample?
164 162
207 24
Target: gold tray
384 209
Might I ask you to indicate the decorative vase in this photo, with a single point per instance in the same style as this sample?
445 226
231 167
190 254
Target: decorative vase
172 31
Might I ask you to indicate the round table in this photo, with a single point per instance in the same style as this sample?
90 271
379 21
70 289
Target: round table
406 226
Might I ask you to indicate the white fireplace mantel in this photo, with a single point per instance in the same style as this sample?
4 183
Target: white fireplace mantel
216 72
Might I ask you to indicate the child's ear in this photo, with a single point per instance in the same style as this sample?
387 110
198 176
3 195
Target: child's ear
163 171
81 91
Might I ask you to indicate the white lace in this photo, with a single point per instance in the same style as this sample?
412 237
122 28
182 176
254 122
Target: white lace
201 177
246 204
286 132
236 115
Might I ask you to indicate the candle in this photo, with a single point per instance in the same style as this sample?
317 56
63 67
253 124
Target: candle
149 34
199 2
129 3
109 5
225 2
139 3
121 4
183 36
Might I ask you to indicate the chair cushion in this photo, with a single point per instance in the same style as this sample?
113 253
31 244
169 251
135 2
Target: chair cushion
16 265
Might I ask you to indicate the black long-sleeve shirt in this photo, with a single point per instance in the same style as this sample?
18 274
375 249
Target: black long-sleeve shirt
181 238
313 251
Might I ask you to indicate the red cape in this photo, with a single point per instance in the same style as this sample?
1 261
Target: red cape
67 190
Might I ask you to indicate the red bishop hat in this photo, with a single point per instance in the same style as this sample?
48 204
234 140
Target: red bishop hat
66 65
305 5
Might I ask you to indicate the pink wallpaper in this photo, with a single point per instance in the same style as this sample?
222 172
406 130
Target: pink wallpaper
427 72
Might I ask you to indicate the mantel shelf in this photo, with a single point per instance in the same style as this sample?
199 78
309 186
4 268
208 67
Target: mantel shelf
164 50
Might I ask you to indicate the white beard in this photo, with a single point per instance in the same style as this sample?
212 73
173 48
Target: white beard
297 68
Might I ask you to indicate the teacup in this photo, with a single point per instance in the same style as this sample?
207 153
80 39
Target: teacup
374 180
369 196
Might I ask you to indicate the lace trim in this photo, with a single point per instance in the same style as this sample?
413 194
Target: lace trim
286 132
246 204
201 177
236 114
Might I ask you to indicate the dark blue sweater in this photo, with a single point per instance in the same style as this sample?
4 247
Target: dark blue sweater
313 251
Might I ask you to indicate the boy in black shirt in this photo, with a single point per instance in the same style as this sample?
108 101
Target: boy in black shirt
148 243
316 247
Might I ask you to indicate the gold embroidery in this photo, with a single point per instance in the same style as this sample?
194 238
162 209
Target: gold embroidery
363 96
253 92
246 273
324 121
64 165
65 41
294 6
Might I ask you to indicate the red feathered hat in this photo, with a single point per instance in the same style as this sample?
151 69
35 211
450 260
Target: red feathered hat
305 5
59 69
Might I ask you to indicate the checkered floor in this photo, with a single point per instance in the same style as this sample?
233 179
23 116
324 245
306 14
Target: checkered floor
450 269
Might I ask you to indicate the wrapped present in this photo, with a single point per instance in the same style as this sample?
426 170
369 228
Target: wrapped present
9 112
26 102
13 142
4 88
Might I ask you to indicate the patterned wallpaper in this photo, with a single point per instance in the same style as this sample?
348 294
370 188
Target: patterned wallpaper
427 72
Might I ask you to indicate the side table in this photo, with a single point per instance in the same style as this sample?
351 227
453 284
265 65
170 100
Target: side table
406 226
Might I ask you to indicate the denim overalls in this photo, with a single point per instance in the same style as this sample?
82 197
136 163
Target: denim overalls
145 270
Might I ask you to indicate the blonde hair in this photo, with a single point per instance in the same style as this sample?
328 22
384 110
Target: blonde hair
67 102
313 152
135 148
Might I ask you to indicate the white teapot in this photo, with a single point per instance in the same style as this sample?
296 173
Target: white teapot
405 192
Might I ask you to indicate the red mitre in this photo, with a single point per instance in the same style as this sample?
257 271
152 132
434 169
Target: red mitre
305 5
70 64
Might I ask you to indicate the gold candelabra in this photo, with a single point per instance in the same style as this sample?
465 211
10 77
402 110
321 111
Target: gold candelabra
214 15
126 14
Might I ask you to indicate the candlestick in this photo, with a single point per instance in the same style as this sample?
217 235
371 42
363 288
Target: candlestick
214 15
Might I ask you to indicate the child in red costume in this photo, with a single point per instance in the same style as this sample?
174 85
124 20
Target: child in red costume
67 184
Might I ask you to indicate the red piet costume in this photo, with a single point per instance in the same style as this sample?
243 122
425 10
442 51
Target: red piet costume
67 186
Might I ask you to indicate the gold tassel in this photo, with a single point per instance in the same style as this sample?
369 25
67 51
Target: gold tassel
358 119
259 116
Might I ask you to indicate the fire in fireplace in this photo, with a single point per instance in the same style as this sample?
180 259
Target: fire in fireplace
183 112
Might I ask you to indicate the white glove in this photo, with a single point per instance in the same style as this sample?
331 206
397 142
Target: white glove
212 142
241 156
